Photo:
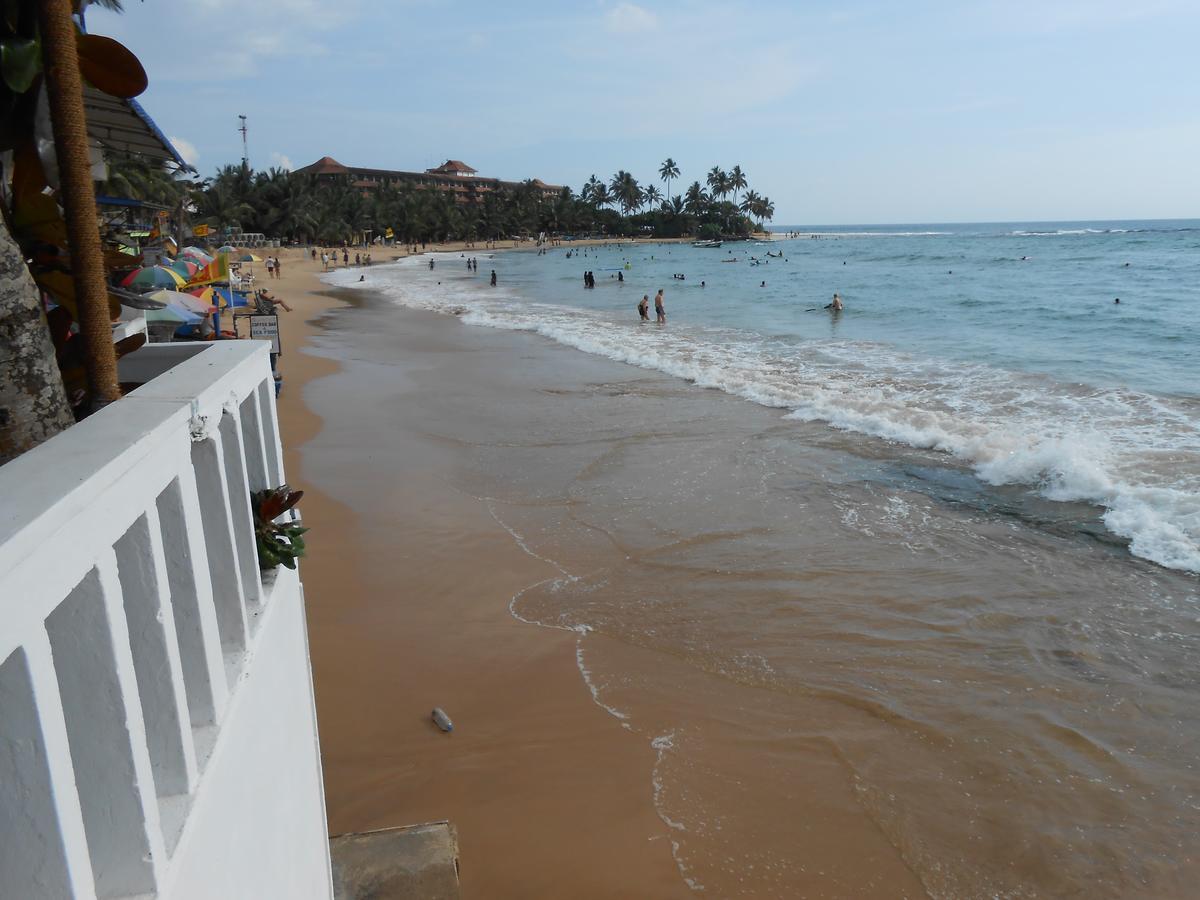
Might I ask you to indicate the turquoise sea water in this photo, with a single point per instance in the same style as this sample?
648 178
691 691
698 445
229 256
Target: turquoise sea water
996 344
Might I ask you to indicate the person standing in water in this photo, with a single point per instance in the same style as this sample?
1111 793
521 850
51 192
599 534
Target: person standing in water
493 277
644 308
659 310
836 305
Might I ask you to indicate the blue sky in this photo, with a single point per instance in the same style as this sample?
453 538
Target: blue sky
850 112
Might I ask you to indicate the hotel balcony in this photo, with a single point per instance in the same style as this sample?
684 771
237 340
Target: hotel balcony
157 729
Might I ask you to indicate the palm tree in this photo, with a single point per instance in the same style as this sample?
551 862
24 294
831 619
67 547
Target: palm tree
625 190
737 181
588 191
600 195
651 195
750 202
694 199
668 171
715 179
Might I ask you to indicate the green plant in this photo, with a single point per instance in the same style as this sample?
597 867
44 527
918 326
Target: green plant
278 543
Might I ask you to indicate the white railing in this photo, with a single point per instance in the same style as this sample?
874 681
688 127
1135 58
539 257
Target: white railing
157 731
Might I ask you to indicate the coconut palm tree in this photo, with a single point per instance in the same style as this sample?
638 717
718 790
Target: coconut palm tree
600 195
625 190
695 199
588 191
668 171
715 179
737 181
651 195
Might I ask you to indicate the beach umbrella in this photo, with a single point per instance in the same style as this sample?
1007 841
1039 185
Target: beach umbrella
194 304
220 296
172 313
250 258
209 296
196 255
185 267
228 248
153 276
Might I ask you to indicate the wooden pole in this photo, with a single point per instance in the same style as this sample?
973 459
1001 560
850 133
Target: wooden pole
64 89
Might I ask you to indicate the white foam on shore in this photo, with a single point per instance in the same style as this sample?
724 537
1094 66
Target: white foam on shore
1132 453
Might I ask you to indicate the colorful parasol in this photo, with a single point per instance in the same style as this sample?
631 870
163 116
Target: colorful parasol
190 302
196 255
185 267
153 276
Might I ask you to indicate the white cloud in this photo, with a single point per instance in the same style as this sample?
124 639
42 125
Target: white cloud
186 149
629 18
279 161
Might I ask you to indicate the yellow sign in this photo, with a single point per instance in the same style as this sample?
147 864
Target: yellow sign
200 231
389 233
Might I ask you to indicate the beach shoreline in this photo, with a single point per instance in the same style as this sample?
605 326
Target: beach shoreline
544 787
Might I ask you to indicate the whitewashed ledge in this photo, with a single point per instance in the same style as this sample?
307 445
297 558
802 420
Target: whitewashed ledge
157 730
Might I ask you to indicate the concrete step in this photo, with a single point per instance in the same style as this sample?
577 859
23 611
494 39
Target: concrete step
413 862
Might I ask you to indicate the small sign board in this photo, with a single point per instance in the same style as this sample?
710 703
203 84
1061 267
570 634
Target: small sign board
200 230
266 328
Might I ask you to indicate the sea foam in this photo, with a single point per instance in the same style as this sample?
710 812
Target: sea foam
1134 454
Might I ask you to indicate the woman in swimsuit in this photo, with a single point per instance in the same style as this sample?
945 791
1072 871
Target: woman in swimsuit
644 308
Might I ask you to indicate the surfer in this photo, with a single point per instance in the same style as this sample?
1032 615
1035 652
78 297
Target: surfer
835 305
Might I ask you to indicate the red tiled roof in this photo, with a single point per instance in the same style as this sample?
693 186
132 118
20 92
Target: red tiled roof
326 165
453 165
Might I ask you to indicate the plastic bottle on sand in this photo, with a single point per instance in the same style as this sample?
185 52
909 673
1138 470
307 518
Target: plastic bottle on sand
441 720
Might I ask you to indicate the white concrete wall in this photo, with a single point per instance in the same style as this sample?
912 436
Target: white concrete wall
157 733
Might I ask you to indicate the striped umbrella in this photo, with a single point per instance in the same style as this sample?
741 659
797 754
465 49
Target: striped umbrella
153 276
196 255
185 267
220 296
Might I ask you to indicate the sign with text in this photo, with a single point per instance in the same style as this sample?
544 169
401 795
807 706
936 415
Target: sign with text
266 328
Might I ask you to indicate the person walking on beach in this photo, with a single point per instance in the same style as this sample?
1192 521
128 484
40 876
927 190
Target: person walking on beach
325 260
270 267
659 310
278 268
644 308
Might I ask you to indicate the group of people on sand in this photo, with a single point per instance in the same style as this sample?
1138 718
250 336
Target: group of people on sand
660 311
331 259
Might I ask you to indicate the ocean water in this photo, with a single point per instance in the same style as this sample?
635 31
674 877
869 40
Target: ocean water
998 345
902 602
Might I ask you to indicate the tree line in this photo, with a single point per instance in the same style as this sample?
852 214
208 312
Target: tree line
296 206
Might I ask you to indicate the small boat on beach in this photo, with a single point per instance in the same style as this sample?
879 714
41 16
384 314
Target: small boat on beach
706 244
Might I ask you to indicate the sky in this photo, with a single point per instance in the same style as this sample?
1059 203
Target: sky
841 112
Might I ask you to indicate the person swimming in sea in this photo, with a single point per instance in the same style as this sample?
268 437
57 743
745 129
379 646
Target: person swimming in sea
836 304
643 308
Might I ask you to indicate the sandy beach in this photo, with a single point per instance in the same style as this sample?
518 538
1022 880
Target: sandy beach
408 608
771 658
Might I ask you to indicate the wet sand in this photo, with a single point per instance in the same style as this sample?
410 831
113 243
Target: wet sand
407 587
781 660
